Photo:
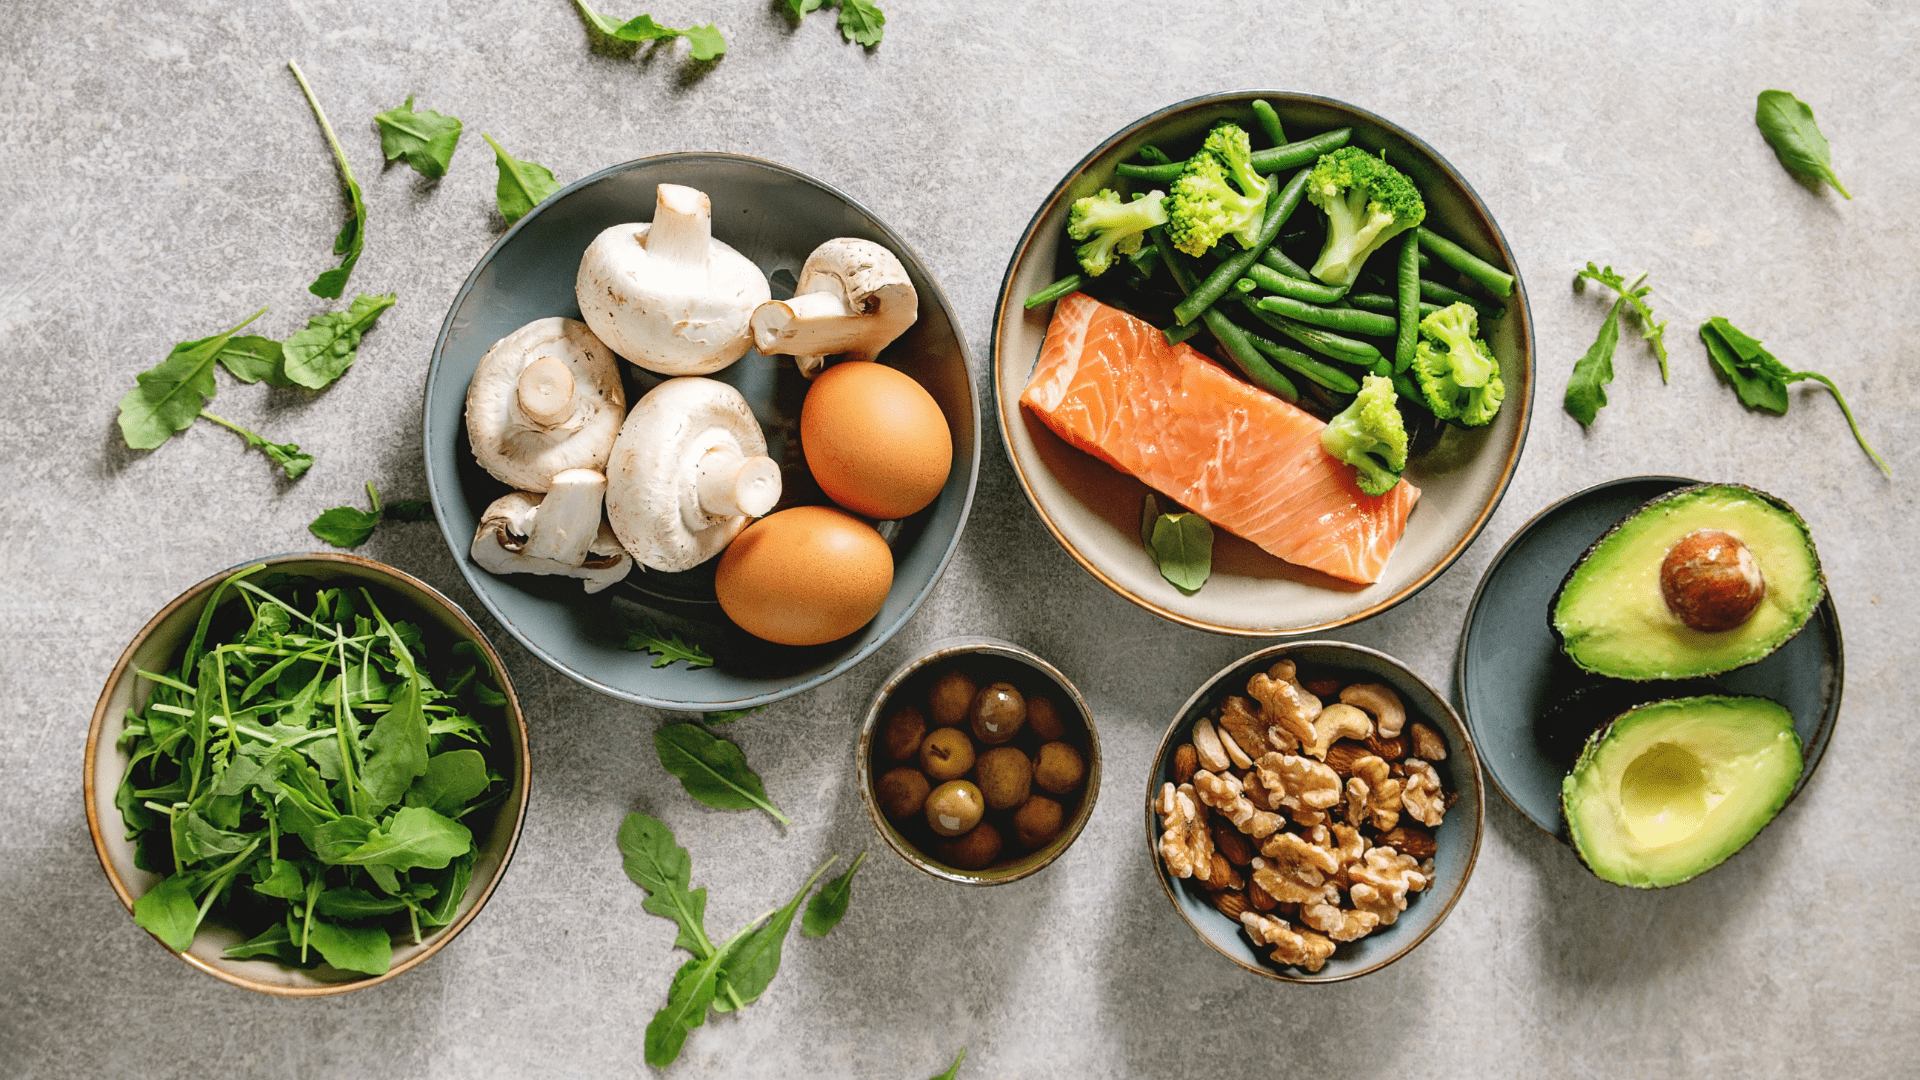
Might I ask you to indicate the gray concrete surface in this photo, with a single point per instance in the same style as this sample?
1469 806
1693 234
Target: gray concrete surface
159 174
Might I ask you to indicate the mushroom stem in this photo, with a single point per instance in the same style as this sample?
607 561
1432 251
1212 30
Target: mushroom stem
731 484
545 391
567 519
682 226
811 324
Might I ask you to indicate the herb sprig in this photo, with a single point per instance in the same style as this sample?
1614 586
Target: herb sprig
350 526
705 42
353 235
1761 380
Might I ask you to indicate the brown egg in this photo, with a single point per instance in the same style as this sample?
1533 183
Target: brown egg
804 576
875 440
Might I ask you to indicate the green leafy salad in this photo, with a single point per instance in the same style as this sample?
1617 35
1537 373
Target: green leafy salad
309 773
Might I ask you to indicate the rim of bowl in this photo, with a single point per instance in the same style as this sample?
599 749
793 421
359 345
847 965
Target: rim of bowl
1207 689
863 750
1474 203
1829 716
518 728
436 496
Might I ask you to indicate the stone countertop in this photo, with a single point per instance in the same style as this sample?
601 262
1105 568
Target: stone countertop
161 175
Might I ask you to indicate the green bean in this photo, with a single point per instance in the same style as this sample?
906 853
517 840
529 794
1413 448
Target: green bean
1384 304
1325 342
1346 319
1153 155
1314 370
1280 207
1446 294
1409 302
1269 122
1180 332
1404 386
1271 160
1055 291
1484 273
1278 260
1274 281
1232 339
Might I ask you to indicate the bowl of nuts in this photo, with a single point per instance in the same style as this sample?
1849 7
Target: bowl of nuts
979 762
1314 811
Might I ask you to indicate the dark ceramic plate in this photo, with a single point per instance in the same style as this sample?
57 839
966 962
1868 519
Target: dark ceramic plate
774 216
1531 710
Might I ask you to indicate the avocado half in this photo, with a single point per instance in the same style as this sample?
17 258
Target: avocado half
1612 619
1671 789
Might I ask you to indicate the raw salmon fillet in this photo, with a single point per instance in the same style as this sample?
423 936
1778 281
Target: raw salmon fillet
1109 384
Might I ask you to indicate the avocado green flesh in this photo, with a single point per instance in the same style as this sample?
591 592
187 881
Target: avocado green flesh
1670 790
1613 620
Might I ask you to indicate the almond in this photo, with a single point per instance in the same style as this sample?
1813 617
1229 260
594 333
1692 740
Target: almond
1230 904
1260 899
1324 689
1186 762
1427 743
1222 875
1342 755
1392 749
1232 843
1409 840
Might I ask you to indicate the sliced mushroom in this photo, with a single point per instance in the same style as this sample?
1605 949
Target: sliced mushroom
852 300
688 472
544 399
666 295
559 533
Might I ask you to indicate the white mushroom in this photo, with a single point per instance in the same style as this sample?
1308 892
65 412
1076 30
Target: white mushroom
852 300
544 399
689 470
666 295
558 533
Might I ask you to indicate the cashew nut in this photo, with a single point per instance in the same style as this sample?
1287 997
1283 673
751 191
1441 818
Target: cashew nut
1380 702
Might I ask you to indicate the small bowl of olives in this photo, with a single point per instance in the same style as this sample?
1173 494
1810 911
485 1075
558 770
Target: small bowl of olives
979 762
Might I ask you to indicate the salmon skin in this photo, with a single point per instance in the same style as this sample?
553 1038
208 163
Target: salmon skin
1109 384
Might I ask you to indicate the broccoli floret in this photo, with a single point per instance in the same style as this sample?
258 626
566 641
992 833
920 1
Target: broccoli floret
1367 202
1218 194
1456 370
1370 436
1109 225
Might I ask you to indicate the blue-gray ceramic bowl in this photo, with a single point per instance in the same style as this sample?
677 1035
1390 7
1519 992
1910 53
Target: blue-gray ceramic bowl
775 216
1531 710
1457 838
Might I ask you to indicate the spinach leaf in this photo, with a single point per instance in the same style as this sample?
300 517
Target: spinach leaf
169 912
293 461
352 235
1787 124
1635 293
667 647
366 949
413 837
1587 388
167 398
664 870
705 41
712 769
521 185
425 139
953 1070
252 358
397 748
451 781
861 22
750 968
829 905
1760 379
322 351
1181 546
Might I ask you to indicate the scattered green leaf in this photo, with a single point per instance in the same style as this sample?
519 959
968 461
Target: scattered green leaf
322 351
1787 124
1635 293
661 867
799 8
1587 387
521 186
751 965
293 462
366 949
350 526
167 398
705 41
728 716
862 22
352 235
424 139
168 911
667 647
252 359
829 905
712 769
1760 379
953 1070
689 998
1181 545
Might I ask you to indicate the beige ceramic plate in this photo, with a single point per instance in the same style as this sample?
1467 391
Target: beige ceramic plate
1094 511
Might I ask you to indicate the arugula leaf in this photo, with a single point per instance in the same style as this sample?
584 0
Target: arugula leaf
425 139
688 999
396 747
953 1070
799 8
1587 388
1181 545
166 399
282 881
349 526
413 837
1761 380
452 780
752 964
861 22
1635 294
705 40
1787 124
353 903
252 358
352 235
712 769
168 911
661 867
366 949
667 648
829 905
273 943
521 185
728 716
293 461
322 351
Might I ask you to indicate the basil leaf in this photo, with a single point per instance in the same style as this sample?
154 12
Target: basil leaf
1183 548
424 139
413 837
1787 124
664 870
322 351
451 781
396 747
752 964
252 358
1149 513
861 22
352 236
366 949
166 399
521 185
168 912
1587 388
829 905
712 769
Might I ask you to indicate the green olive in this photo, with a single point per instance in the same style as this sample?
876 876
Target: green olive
997 714
955 807
976 850
947 701
1059 768
946 754
1037 821
1005 776
901 734
901 792
1044 719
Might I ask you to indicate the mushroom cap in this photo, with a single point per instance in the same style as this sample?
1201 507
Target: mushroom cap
653 477
521 451
853 299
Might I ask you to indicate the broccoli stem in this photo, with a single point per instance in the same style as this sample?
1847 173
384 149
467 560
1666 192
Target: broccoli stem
1383 304
1446 294
1346 319
1345 350
1055 291
1280 207
1232 339
1271 160
1407 306
1269 122
1482 272
1317 371
1282 284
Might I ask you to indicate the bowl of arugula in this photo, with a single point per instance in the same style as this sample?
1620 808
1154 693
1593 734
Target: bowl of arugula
306 775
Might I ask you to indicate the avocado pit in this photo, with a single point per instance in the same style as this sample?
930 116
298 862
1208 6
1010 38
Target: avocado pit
1711 581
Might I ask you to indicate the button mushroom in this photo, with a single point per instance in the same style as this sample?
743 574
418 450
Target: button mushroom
667 295
689 469
558 533
852 300
544 399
